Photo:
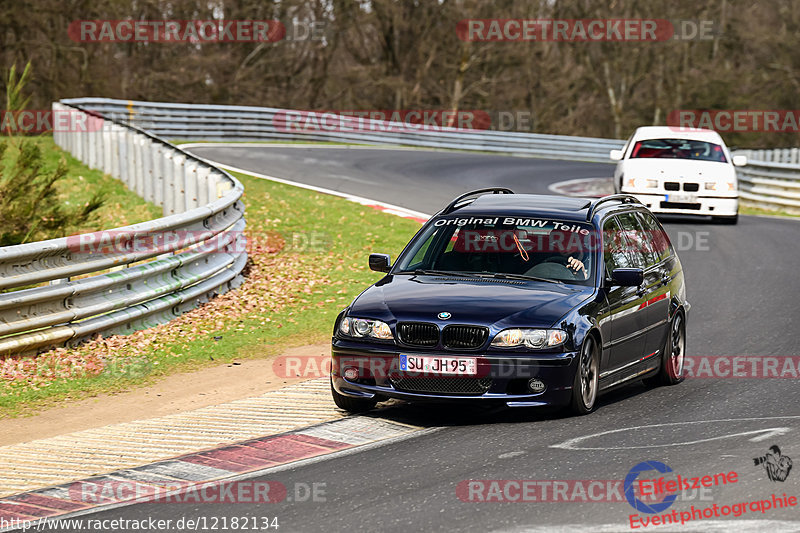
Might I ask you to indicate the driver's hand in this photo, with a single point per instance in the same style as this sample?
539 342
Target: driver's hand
577 266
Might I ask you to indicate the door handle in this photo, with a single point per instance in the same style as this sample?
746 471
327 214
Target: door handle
640 291
665 280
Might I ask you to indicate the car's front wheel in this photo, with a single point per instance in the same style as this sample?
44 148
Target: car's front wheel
671 370
584 387
352 405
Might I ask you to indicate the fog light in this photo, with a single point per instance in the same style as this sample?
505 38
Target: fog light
536 385
350 373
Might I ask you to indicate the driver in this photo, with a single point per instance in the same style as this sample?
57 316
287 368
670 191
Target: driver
568 252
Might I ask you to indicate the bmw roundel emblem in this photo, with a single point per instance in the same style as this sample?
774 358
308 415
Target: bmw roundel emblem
444 315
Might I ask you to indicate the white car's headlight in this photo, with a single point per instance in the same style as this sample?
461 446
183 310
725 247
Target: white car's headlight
532 338
721 186
362 327
643 183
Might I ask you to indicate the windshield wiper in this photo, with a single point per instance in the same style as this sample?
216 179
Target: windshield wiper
423 271
500 275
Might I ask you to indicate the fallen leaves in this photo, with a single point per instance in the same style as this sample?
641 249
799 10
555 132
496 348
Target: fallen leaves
273 280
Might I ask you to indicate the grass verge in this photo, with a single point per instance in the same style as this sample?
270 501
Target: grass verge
122 206
308 261
747 210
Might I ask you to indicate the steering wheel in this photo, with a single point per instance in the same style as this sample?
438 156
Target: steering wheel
551 270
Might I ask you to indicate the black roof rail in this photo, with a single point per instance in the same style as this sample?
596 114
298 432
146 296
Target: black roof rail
452 206
622 198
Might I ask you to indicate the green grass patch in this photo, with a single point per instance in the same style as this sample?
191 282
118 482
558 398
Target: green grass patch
321 268
121 207
747 210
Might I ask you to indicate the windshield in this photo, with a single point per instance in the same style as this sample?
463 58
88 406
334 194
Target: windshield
551 250
678 149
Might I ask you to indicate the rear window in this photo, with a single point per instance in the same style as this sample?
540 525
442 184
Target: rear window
678 149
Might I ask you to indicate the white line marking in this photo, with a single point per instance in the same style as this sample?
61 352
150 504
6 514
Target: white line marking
390 208
572 444
189 146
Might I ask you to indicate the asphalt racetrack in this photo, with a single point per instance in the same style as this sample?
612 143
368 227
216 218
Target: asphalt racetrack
743 282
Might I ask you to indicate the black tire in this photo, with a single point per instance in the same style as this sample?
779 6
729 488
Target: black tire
352 405
586 383
670 371
727 219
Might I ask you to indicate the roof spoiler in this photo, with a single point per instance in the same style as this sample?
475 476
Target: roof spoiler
461 201
622 198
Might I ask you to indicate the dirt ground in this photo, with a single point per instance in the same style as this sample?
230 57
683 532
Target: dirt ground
173 394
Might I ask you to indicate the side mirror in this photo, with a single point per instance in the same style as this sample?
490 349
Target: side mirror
380 262
627 277
739 160
616 155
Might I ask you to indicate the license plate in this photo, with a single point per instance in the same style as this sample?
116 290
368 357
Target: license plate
447 366
682 198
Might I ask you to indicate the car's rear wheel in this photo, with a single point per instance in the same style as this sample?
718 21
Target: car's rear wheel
672 359
352 405
584 387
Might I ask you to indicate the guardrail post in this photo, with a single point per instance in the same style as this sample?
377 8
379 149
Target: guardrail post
80 148
108 146
179 182
124 163
158 174
116 135
147 168
168 207
139 163
190 186
202 185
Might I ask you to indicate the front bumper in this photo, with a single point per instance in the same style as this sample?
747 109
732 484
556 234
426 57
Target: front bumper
503 378
703 205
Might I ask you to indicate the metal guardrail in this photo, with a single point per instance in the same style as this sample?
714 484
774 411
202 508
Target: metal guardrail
246 123
770 180
157 270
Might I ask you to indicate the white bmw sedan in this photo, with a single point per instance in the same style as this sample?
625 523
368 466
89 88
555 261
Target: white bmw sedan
679 170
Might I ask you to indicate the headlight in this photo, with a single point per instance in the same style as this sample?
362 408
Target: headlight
643 183
532 338
721 186
362 327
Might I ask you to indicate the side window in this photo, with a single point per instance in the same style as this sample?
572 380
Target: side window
614 245
638 245
657 236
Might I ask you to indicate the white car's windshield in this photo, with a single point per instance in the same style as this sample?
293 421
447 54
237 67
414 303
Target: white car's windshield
678 149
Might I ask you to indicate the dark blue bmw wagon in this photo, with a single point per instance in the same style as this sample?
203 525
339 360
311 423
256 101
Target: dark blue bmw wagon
521 299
